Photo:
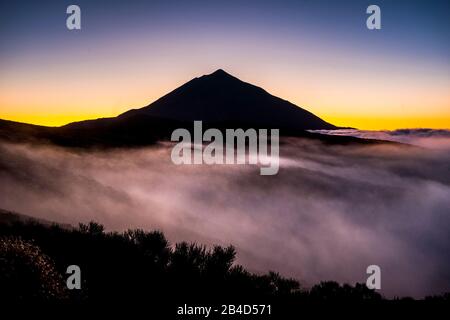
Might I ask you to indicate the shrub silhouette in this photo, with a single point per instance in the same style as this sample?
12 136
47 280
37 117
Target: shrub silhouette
137 265
27 273
333 291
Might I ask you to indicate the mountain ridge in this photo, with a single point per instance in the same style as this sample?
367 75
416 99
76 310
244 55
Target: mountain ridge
219 99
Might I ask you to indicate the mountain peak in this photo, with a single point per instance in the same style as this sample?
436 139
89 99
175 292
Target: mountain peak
220 73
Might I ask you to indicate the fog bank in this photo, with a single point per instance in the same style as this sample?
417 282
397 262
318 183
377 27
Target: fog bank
329 213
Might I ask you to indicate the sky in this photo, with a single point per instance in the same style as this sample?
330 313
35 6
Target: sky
317 54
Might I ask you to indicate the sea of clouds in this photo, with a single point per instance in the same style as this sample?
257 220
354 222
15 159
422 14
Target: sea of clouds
329 213
428 138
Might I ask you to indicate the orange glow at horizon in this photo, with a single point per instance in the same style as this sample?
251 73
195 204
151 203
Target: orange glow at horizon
374 116
358 122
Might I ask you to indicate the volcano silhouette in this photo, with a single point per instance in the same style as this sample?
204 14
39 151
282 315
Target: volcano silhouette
219 99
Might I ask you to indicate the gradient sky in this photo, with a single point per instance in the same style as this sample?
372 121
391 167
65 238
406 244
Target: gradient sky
317 54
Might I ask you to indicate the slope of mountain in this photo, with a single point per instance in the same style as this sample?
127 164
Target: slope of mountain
9 217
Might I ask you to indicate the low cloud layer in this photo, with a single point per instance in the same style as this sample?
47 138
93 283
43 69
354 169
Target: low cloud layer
329 213
427 138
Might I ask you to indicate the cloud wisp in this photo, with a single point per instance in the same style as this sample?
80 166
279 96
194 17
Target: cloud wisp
427 138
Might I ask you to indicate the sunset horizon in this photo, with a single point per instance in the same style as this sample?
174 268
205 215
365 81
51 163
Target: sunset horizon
358 121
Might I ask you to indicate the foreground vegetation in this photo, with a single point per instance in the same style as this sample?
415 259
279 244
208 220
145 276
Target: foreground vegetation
141 266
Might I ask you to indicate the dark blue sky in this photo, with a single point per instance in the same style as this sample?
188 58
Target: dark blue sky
418 27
